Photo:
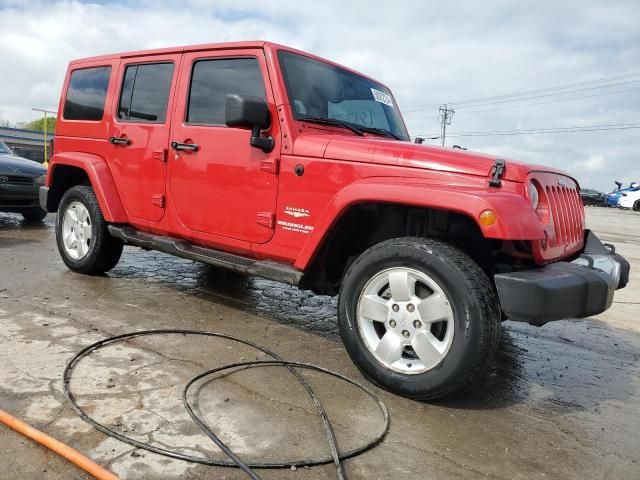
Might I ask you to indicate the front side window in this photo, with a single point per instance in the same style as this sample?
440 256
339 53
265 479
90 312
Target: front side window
145 93
86 94
320 91
213 80
4 148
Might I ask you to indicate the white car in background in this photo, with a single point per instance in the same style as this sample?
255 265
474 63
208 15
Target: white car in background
630 198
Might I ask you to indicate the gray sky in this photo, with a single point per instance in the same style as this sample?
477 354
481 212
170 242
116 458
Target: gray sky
427 52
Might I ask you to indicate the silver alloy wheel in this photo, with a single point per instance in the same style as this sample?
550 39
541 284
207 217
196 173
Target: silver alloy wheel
405 320
76 230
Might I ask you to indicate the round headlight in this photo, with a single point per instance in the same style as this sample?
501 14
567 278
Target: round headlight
534 198
41 179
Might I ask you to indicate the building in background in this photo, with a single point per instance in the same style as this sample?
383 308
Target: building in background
27 143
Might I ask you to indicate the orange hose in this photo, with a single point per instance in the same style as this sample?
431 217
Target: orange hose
58 447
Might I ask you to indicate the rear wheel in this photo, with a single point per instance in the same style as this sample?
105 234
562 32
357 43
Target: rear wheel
418 317
35 215
636 206
81 233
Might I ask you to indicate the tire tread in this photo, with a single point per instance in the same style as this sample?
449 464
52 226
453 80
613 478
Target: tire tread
107 249
478 285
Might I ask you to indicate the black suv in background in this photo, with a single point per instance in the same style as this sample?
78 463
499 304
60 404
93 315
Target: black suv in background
592 197
20 180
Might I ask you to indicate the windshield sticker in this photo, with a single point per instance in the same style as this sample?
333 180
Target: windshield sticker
382 97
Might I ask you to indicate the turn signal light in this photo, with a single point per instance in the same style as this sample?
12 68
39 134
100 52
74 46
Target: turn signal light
488 217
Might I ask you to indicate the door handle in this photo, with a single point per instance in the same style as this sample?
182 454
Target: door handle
193 147
119 141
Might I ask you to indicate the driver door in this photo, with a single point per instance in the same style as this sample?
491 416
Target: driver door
219 183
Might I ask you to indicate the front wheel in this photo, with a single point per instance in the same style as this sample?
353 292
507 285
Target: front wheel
636 206
418 317
84 242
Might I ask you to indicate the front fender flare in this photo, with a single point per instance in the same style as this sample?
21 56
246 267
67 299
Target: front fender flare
516 219
100 177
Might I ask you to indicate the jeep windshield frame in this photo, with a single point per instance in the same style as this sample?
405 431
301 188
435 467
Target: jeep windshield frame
320 90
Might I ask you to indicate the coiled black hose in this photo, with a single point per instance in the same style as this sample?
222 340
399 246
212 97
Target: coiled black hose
235 461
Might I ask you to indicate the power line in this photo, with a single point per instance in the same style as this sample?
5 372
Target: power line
530 92
517 94
557 100
546 102
544 132
559 87
539 131
554 94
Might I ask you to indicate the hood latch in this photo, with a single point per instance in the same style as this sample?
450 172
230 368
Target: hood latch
496 172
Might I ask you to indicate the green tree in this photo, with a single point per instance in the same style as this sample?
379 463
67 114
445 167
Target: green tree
38 125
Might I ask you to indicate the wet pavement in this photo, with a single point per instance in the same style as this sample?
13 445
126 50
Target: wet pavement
560 401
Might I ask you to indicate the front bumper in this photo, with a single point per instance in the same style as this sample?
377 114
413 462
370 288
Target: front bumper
562 290
18 198
44 197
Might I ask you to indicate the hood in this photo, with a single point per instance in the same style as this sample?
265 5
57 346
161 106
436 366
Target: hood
370 149
11 164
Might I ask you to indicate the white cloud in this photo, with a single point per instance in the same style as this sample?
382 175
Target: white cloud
427 52
593 164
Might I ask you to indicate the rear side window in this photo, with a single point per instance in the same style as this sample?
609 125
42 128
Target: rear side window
145 93
213 80
86 94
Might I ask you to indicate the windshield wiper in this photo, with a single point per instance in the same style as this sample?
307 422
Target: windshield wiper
334 122
355 128
381 131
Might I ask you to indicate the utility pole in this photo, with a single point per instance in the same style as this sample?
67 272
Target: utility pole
46 145
446 115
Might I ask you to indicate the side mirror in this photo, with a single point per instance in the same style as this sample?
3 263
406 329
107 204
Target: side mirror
244 111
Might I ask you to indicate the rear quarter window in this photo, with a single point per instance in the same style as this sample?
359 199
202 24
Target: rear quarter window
145 93
86 94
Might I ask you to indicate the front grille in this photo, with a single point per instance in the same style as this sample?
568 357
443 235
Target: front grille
566 211
564 224
15 180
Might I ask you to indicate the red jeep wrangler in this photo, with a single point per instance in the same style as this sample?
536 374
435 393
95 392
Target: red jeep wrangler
273 162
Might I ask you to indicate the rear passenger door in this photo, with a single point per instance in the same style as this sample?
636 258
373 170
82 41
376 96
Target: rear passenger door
222 186
139 138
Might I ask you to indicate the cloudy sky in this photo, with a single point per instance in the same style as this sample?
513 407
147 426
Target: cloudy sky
427 52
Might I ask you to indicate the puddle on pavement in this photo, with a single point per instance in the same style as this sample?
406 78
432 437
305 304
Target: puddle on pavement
278 301
567 385
569 362
567 366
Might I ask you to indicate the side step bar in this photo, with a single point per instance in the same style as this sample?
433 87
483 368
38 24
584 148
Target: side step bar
182 248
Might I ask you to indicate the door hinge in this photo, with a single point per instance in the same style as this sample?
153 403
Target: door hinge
158 200
266 219
271 165
160 155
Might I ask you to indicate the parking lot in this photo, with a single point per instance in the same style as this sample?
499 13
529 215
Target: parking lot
559 402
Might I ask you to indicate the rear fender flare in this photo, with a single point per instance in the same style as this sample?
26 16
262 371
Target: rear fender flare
101 180
516 219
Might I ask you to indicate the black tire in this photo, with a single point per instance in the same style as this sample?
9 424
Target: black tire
104 250
476 315
636 206
35 215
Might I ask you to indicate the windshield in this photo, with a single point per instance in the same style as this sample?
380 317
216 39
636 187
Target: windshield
318 90
4 148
